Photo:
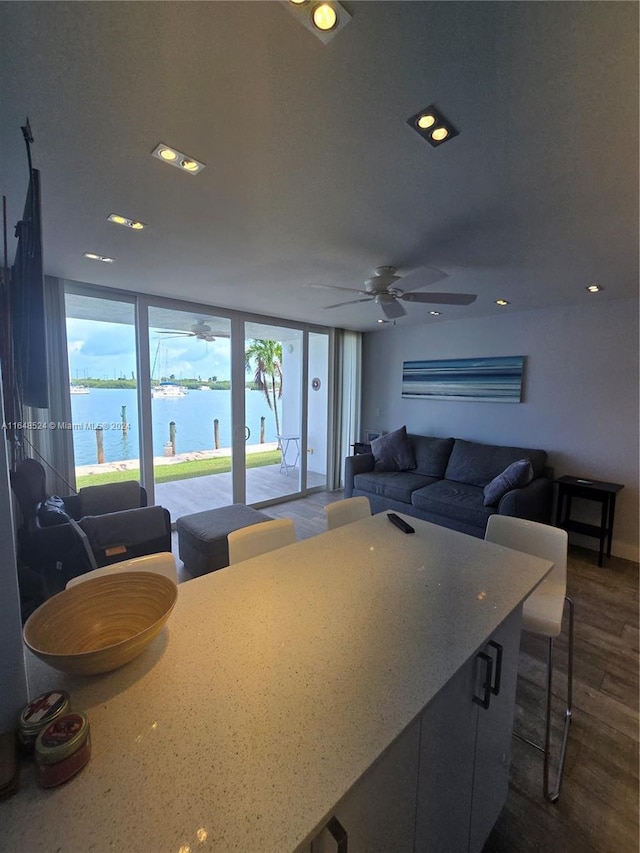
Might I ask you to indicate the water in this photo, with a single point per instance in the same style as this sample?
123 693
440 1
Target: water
193 415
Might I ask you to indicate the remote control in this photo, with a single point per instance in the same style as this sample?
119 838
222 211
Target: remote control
400 522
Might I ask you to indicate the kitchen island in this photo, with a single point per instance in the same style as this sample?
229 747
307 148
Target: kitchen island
327 683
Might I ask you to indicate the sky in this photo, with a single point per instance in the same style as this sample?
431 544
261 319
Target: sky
107 350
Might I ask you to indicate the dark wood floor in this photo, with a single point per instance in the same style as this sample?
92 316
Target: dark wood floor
598 807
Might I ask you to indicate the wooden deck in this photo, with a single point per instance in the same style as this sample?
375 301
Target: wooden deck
266 483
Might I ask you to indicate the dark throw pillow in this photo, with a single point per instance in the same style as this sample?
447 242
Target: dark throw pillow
393 451
51 512
514 476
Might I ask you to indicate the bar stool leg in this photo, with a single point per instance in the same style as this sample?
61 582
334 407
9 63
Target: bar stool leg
553 795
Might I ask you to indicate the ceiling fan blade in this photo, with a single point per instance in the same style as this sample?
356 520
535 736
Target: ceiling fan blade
335 287
440 298
422 277
392 309
173 332
175 337
350 302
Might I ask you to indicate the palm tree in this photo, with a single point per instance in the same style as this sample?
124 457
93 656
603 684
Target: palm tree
266 356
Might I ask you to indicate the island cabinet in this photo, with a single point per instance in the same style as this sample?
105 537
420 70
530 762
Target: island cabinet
441 785
465 748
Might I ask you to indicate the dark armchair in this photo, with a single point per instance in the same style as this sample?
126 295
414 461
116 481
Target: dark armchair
114 518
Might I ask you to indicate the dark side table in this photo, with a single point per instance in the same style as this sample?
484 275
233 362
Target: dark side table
591 490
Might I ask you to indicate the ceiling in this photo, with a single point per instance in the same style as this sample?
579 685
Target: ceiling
313 175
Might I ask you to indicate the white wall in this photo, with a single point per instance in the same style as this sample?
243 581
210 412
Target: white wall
580 396
318 402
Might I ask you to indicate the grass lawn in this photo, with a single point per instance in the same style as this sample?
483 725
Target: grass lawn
181 470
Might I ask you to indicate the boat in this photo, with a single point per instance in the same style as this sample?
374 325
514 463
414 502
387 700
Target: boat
204 388
168 390
78 389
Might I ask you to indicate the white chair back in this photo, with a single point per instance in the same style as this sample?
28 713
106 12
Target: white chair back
259 538
532 537
346 511
163 563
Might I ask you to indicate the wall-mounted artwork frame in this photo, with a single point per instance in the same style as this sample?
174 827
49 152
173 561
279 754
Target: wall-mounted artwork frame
492 380
371 435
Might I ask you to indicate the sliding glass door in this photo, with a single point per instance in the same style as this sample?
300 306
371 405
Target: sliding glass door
101 345
273 411
190 382
205 410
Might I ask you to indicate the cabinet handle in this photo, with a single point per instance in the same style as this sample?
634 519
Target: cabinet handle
496 686
338 833
486 700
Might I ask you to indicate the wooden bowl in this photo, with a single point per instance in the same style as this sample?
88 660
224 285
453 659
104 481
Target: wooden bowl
101 624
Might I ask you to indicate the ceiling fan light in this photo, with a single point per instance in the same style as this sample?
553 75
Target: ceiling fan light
324 17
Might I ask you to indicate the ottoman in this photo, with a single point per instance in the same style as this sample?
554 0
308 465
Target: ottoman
202 537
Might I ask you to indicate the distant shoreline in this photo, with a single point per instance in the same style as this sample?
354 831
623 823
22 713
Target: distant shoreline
129 464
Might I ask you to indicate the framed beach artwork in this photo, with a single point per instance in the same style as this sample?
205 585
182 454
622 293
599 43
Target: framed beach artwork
493 380
371 435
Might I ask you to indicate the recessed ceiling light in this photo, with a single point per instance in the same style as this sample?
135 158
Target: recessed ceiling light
383 321
124 220
501 302
594 288
176 158
323 19
432 126
434 313
440 134
93 257
426 121
167 154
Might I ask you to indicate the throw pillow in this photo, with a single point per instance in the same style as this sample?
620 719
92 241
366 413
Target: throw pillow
393 451
514 476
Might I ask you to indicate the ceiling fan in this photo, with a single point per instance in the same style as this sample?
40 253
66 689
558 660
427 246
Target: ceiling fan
381 289
200 330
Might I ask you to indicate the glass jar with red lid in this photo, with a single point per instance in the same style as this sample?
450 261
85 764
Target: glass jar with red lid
62 749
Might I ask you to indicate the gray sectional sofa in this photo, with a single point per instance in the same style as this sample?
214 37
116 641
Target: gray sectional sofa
446 486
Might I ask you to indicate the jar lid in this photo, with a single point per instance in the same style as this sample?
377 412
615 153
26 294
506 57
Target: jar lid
62 737
43 710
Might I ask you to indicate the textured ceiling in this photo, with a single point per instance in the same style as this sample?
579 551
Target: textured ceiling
313 175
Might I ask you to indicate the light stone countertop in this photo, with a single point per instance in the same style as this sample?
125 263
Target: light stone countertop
274 686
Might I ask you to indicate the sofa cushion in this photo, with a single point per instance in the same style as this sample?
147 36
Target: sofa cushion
459 501
393 451
514 476
394 485
432 454
478 464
